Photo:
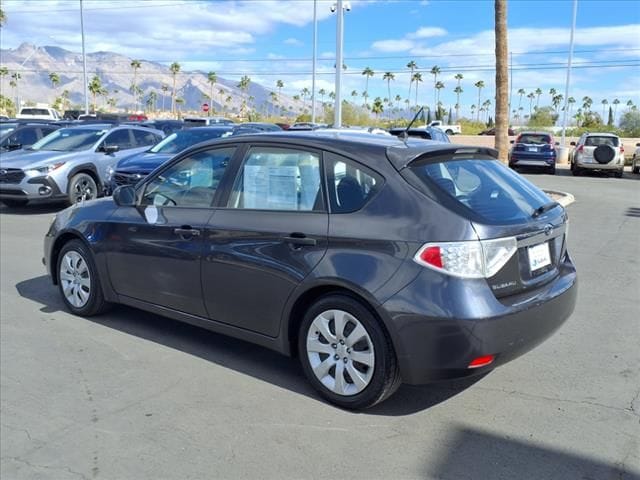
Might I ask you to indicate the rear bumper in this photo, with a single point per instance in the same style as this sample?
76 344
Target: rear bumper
434 343
523 160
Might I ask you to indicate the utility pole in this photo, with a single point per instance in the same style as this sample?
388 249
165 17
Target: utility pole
84 63
337 117
315 51
566 88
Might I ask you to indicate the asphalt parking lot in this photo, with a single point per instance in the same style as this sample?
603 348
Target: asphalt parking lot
130 395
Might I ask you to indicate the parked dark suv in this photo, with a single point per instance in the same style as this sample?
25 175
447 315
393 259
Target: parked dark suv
376 261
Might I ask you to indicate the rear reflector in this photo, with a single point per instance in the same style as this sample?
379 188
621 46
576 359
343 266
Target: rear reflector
481 361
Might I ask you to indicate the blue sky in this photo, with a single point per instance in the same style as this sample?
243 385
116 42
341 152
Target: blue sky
270 40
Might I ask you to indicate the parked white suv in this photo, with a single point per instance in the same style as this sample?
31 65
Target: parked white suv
38 113
635 163
597 151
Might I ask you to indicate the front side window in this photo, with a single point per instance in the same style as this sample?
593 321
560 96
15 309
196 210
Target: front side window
278 179
350 185
192 182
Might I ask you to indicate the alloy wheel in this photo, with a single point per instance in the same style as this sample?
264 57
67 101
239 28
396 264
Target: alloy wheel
75 279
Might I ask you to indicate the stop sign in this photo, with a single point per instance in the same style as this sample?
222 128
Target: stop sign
205 107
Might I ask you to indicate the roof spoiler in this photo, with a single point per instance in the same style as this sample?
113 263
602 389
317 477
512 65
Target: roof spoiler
402 157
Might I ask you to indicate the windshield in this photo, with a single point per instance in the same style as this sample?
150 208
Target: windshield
7 127
178 141
486 187
534 139
69 140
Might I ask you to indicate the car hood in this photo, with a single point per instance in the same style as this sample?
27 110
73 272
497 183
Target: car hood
29 158
142 162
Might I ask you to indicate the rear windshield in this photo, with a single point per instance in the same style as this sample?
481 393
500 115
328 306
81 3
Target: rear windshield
593 141
195 121
34 111
534 139
488 188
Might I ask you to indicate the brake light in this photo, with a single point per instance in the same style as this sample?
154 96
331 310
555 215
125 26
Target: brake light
473 259
482 361
621 148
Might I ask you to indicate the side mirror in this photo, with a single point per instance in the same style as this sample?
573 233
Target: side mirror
13 146
109 149
125 196
573 144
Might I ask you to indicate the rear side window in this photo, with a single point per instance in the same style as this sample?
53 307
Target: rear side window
273 178
349 185
120 138
593 141
534 139
487 188
145 138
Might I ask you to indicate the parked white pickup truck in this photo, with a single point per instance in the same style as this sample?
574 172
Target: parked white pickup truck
448 129
38 113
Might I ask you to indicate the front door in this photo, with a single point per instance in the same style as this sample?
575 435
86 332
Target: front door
156 247
270 236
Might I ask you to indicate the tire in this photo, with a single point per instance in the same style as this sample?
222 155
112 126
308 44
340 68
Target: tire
575 170
636 169
604 154
82 184
450 132
618 174
12 203
551 170
321 347
78 277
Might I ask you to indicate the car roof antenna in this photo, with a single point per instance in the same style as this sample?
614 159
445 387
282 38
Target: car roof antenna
405 135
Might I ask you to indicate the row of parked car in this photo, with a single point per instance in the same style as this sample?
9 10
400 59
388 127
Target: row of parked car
84 159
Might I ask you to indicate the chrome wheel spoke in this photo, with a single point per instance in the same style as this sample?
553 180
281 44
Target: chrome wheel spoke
321 324
341 384
356 335
359 380
315 345
365 358
322 368
340 321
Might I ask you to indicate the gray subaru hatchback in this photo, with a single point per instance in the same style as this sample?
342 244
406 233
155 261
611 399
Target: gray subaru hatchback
375 260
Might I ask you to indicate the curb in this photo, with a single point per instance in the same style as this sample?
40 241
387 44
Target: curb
563 198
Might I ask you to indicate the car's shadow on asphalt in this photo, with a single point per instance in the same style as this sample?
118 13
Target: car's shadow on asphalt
243 357
35 209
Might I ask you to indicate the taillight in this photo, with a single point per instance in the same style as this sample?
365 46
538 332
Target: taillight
580 148
473 259
621 148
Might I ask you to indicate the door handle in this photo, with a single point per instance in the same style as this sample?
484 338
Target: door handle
300 239
186 231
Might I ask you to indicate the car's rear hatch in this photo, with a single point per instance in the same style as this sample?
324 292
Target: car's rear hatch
500 205
533 146
592 142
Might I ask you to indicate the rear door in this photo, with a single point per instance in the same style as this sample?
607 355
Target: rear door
268 236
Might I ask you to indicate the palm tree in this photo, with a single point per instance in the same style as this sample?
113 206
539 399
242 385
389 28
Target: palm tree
407 103
135 64
279 86
304 93
552 93
531 96
388 76
615 102
95 87
322 93
486 104
473 109
243 85
54 78
175 69
212 78
178 102
15 78
556 101
458 90
227 102
152 99
367 72
377 107
439 86
604 103
538 93
165 89
4 71
412 66
417 77
479 85
274 101
570 102
629 103
586 103
435 71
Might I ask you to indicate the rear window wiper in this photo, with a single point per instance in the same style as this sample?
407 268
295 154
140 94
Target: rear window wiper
544 208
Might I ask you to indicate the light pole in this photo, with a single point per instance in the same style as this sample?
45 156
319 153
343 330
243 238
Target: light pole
566 88
339 8
84 64
315 51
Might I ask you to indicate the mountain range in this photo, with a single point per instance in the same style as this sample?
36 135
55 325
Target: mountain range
35 63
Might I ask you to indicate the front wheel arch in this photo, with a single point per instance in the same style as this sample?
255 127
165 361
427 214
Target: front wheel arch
58 244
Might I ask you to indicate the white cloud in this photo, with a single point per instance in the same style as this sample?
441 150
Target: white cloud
428 32
393 45
293 41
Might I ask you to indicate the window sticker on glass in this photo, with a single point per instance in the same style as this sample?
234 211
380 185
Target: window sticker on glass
275 184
